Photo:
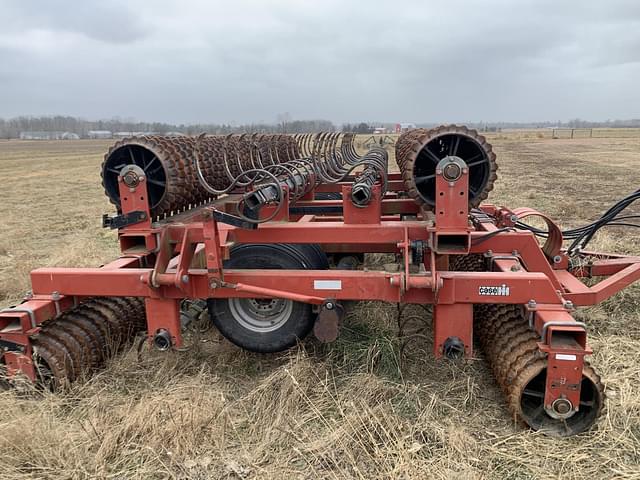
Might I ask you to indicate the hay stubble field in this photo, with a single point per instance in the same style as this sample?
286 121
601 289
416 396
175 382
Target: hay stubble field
353 409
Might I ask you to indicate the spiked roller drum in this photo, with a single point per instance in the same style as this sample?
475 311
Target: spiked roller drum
419 151
168 163
510 347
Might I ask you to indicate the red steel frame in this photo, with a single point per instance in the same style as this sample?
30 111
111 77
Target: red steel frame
182 257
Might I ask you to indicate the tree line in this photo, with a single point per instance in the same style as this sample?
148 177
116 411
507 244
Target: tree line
11 128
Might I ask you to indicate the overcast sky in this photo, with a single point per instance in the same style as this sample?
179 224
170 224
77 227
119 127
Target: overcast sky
242 61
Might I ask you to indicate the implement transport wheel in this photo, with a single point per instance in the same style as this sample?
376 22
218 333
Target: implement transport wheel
267 324
527 400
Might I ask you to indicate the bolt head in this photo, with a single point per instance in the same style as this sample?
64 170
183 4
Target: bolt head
131 179
329 306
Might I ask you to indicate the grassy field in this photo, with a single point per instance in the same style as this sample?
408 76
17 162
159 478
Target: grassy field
353 409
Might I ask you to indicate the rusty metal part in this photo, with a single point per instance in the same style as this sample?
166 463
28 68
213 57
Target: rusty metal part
467 263
419 151
330 158
80 339
519 367
184 172
52 364
172 178
525 399
375 167
334 155
327 325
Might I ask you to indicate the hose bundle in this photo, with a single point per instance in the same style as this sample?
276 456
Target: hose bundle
581 236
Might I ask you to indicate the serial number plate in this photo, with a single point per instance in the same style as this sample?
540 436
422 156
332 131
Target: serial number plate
494 291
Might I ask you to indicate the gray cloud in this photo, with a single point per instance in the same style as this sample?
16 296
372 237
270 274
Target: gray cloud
111 22
248 60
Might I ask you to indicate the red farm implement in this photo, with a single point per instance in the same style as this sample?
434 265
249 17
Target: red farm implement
270 230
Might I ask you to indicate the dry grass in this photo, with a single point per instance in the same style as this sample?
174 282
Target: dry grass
346 410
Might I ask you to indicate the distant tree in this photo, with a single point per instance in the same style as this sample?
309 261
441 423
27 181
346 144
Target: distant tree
283 121
363 128
11 128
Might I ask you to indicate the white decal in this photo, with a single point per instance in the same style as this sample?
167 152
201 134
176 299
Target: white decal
564 356
498 291
327 284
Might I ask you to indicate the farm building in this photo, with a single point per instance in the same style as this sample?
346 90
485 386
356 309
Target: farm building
131 134
43 135
403 127
99 134
70 136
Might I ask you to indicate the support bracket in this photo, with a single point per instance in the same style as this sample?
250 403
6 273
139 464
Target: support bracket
123 220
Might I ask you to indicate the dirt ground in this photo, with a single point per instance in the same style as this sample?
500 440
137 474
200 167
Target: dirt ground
352 409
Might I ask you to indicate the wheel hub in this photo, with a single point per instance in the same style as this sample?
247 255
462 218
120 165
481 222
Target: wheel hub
261 314
561 408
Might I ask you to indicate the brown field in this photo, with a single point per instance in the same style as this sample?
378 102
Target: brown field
347 410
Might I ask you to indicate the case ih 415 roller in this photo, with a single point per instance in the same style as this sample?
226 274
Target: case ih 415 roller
251 224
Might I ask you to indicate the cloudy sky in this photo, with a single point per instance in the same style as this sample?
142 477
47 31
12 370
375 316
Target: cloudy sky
249 60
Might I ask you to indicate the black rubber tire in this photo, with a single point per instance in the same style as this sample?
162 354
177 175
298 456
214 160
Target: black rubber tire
300 319
315 256
336 257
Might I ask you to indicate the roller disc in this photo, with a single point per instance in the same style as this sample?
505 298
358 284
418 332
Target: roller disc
519 367
526 396
51 370
511 349
161 172
419 151
81 339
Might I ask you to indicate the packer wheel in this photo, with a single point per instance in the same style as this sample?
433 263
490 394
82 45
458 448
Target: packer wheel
527 401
